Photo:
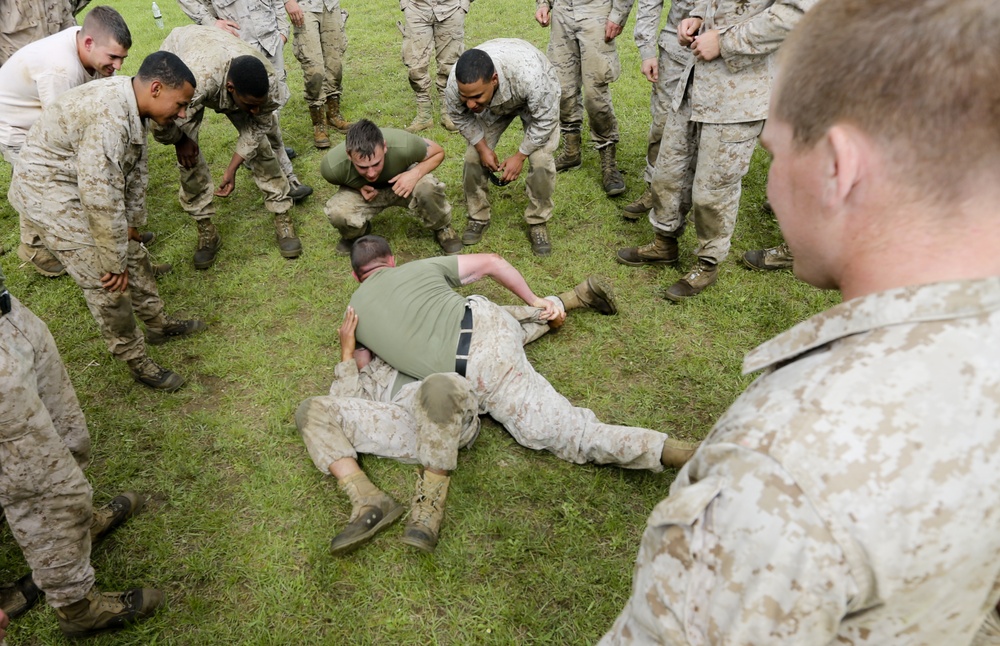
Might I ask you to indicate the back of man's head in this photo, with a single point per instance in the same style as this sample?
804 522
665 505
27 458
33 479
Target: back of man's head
365 251
103 24
473 66
363 139
918 77
249 76
167 68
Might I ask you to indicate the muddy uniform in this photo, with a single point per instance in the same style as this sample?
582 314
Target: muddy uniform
849 495
718 110
208 51
25 21
79 184
44 447
432 25
528 88
319 47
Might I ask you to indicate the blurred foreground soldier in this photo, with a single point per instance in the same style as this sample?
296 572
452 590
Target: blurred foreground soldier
849 495
25 21
438 26
374 409
718 110
583 51
378 169
488 87
80 182
235 80
319 45
44 447
38 74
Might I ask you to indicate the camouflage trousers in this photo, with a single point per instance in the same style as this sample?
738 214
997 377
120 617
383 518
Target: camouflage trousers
115 312
586 65
10 153
274 134
540 183
423 31
719 155
197 189
660 103
525 403
319 46
349 213
44 446
403 429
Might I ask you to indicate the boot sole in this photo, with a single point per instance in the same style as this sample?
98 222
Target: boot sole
426 548
615 192
561 169
643 263
387 519
295 253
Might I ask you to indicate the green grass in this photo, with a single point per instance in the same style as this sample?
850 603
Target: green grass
533 550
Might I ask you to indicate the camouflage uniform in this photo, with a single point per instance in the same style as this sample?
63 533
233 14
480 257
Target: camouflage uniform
437 24
208 51
79 184
848 496
25 21
44 445
529 89
585 64
262 23
319 45
361 415
719 108
350 213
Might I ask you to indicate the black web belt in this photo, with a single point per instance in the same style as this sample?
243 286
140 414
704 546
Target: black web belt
464 341
4 301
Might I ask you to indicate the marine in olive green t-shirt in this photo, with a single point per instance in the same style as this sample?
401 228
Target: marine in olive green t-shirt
403 149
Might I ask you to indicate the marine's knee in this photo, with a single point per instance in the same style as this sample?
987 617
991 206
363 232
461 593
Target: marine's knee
442 398
302 413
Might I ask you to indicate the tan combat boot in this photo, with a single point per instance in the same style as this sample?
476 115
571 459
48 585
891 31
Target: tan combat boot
41 259
427 511
594 293
424 118
636 210
703 274
770 259
209 244
169 328
676 452
611 178
318 116
288 243
102 611
111 516
661 251
333 117
148 372
570 156
449 240
372 510
446 122
539 236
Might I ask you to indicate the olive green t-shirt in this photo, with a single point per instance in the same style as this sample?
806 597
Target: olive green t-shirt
410 315
403 149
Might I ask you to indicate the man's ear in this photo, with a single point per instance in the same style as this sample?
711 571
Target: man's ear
848 150
154 88
392 261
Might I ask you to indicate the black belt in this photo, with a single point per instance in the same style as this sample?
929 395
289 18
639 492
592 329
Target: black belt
4 302
464 341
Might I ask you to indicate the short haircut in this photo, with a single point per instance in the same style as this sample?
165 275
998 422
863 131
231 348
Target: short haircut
249 76
363 138
916 76
167 68
103 23
366 250
474 65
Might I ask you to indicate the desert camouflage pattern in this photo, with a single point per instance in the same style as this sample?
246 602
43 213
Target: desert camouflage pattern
262 22
672 60
349 213
319 46
700 167
528 88
586 64
81 175
736 86
848 496
25 21
432 25
208 52
44 445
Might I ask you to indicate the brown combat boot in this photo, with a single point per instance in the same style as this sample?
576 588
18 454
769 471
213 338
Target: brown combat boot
594 293
661 251
539 236
209 244
288 243
703 274
148 372
173 329
449 241
19 597
570 157
333 117
446 122
372 510
676 452
424 118
41 259
103 611
318 116
635 210
427 512
611 178
770 259
112 515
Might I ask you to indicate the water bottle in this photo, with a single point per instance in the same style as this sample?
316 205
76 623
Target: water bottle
157 16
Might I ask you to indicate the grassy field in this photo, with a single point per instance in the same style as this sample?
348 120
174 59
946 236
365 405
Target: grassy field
238 524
